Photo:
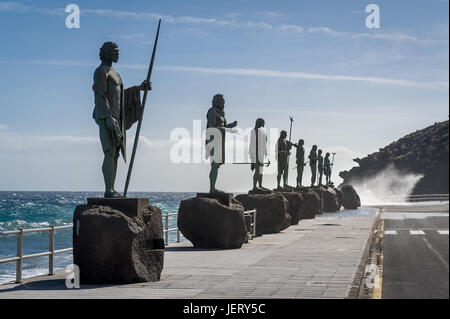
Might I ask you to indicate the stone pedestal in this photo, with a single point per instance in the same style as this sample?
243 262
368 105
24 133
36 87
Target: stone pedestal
351 198
311 203
209 223
260 191
330 200
295 201
118 241
272 211
319 191
222 197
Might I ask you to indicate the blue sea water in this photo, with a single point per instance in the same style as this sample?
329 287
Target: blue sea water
42 209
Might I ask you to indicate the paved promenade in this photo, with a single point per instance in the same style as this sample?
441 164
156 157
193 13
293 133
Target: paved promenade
319 258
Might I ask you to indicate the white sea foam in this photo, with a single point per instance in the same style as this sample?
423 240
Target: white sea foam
388 186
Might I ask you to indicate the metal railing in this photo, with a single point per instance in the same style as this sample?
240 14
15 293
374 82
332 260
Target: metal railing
51 242
50 253
252 214
167 230
418 198
428 198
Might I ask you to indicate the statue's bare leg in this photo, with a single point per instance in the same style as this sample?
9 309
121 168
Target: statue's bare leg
285 176
255 177
313 175
213 177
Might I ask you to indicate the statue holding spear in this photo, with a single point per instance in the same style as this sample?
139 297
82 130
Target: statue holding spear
116 110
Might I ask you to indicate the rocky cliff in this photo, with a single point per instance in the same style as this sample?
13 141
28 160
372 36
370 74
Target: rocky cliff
423 152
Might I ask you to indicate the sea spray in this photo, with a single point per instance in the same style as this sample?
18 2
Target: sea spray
388 186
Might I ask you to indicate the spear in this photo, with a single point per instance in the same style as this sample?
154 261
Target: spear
246 163
290 135
144 99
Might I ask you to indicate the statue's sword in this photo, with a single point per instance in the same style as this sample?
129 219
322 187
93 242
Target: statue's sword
144 99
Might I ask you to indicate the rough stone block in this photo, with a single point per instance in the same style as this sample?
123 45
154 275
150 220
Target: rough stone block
208 223
110 247
271 216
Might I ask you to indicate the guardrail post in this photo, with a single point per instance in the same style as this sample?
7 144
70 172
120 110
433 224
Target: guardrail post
178 236
51 248
254 223
167 229
19 254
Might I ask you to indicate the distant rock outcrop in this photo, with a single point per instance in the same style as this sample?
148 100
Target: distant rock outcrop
423 152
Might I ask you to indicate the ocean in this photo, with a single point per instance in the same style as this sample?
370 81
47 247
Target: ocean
42 209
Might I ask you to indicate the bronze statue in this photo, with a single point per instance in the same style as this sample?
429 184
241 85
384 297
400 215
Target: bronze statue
216 126
258 150
327 168
300 160
320 166
313 163
283 152
115 111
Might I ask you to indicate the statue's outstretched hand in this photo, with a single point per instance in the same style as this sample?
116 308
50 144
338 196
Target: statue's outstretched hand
231 125
144 84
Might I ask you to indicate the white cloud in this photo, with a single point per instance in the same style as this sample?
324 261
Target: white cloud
230 22
259 73
304 75
290 27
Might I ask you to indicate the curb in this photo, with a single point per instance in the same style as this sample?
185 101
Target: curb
358 276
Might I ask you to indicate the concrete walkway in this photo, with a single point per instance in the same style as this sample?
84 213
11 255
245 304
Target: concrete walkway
319 258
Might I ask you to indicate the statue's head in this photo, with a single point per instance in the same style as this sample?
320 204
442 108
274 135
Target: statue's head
327 154
283 134
218 101
319 152
260 123
301 142
109 52
314 147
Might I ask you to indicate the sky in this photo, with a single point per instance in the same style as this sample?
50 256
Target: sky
350 89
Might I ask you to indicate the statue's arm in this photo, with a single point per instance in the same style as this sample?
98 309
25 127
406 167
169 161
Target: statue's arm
100 95
231 125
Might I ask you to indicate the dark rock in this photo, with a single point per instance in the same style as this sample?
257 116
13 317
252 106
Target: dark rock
110 247
260 191
208 223
132 207
295 202
351 199
424 152
319 191
222 197
311 203
339 196
330 200
271 211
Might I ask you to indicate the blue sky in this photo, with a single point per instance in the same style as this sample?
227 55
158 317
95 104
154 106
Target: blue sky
349 88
